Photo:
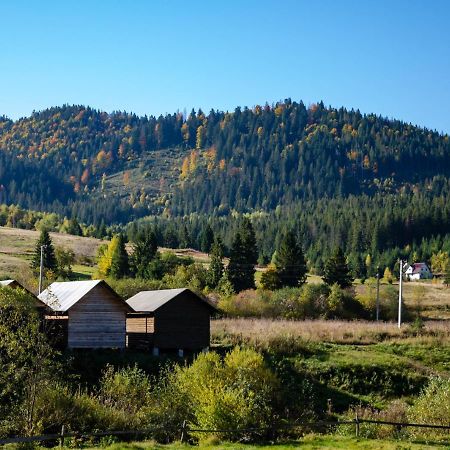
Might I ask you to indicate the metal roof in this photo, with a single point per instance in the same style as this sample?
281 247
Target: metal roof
150 301
61 296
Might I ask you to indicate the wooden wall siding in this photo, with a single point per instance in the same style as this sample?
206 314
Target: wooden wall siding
98 320
183 323
140 324
140 331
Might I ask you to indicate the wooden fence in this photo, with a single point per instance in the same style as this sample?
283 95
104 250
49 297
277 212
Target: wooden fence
185 430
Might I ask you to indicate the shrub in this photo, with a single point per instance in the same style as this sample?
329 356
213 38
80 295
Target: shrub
250 303
126 389
432 407
234 393
58 405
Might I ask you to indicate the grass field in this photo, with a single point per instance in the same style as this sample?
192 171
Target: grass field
309 442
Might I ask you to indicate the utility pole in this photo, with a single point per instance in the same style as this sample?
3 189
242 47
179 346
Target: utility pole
378 294
400 295
41 267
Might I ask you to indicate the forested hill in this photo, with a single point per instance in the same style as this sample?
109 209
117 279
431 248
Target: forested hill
69 159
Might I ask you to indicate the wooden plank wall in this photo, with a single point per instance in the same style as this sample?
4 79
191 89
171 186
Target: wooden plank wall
98 320
183 323
140 330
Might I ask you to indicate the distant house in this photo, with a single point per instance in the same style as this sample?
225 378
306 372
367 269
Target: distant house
168 320
13 284
90 313
418 271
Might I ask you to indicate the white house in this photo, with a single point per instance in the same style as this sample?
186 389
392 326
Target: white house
418 271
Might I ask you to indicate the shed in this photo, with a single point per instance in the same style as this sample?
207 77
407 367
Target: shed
169 319
94 314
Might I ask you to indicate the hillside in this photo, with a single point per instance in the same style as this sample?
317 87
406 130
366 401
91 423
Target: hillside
69 159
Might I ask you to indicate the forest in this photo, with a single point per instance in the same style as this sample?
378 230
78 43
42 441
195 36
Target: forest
376 187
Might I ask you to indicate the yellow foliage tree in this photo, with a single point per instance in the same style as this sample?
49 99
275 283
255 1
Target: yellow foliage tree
185 132
104 258
193 161
200 136
185 168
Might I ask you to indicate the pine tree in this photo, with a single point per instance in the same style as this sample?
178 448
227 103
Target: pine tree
74 227
290 261
336 270
243 257
216 267
144 251
48 253
206 239
249 241
119 260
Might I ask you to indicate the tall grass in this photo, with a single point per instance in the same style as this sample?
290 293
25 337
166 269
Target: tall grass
261 332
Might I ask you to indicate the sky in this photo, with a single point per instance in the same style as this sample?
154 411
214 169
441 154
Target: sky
389 57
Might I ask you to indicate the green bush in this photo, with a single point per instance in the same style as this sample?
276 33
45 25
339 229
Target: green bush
237 392
432 407
58 405
125 389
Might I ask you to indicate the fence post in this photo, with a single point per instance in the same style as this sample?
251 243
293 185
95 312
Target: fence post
356 424
183 432
61 439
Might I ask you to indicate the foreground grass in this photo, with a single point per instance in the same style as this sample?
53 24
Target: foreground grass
307 443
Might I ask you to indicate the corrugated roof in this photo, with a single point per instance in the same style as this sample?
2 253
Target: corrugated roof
150 301
61 296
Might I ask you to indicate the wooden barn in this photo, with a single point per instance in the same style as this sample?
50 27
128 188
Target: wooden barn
89 313
169 320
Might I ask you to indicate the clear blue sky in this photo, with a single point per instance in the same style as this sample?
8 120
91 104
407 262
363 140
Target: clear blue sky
151 57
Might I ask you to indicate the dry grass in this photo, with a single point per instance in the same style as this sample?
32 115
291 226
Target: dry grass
260 331
431 298
14 241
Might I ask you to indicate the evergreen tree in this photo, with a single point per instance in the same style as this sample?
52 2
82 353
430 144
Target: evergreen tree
74 227
243 257
145 248
216 267
48 253
119 260
206 239
249 242
336 270
290 261
185 237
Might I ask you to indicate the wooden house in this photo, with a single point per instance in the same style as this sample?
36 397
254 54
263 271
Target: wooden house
90 313
168 320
